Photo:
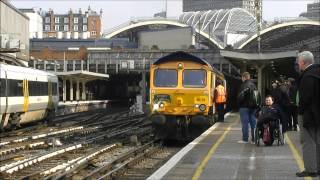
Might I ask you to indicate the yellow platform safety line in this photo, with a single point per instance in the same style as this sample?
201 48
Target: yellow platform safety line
211 151
296 155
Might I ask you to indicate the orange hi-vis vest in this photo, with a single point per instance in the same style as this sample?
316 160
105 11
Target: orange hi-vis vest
221 94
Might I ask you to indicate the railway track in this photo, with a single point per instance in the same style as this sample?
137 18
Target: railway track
98 147
60 136
32 140
88 137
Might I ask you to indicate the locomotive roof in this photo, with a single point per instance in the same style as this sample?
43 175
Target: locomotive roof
186 57
183 56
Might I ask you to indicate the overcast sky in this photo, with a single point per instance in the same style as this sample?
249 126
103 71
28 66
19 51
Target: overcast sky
116 12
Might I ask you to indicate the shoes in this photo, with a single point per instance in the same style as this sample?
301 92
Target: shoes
305 174
243 142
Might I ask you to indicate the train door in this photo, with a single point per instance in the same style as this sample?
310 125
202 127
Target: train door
50 111
25 95
50 94
4 117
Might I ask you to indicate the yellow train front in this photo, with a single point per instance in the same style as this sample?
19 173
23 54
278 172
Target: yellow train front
181 95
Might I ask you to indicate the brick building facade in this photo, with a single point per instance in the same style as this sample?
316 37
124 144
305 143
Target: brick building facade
72 25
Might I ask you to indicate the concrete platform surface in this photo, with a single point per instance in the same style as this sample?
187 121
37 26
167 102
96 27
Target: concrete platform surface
69 107
216 154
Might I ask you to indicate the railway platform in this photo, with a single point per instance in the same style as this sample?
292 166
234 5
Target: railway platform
69 107
216 154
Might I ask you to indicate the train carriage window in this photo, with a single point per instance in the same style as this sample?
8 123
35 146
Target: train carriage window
33 88
54 89
46 88
166 78
194 78
38 88
43 88
15 87
2 87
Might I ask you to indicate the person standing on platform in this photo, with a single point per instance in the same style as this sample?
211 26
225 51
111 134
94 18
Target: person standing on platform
220 99
309 109
293 108
248 101
275 92
284 103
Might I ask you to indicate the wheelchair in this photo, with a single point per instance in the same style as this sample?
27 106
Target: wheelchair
276 136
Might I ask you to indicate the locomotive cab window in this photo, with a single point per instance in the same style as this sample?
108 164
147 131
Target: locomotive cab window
165 78
194 78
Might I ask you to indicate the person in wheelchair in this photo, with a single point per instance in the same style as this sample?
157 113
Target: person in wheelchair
269 116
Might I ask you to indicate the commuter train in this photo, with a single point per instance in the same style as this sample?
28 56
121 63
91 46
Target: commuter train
26 95
181 95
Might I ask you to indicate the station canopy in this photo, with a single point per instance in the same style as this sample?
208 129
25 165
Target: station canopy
226 26
82 75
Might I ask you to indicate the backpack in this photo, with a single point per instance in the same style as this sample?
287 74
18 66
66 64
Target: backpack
254 98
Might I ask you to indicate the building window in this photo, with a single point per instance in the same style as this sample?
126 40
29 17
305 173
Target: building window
75 27
85 20
85 28
75 20
47 20
56 20
66 20
47 27
56 27
93 33
66 28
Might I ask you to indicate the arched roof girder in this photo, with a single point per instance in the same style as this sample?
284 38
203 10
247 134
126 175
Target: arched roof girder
278 26
162 22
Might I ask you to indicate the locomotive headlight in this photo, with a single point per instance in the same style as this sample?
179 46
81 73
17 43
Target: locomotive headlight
197 105
161 105
155 106
202 107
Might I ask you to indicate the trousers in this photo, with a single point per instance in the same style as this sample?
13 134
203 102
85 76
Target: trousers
310 140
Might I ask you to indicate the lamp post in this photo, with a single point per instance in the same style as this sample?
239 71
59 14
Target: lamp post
258 14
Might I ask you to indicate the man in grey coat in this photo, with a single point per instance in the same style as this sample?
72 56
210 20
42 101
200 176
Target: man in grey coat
309 109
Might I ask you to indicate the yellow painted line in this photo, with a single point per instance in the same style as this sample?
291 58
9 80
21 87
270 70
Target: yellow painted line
296 155
211 151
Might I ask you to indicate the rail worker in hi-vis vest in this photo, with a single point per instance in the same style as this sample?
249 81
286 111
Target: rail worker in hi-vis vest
220 99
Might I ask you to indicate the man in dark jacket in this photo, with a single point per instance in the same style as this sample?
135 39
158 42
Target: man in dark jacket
309 109
247 108
293 108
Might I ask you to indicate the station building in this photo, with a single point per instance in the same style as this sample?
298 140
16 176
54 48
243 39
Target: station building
83 24
14 35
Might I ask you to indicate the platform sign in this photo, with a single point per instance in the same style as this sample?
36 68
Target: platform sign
123 64
131 64
127 64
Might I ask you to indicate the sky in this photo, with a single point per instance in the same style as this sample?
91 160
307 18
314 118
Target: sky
117 12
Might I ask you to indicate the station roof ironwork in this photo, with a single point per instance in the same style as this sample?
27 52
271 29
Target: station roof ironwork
285 36
217 24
